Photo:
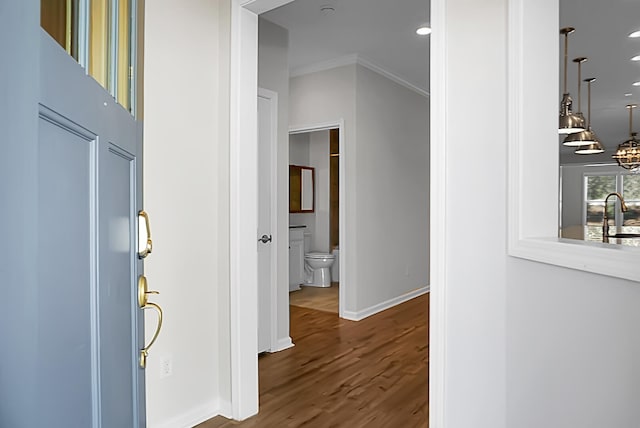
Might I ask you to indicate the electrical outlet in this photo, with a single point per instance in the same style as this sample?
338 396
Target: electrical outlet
166 367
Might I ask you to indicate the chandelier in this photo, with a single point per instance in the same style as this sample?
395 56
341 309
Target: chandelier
628 153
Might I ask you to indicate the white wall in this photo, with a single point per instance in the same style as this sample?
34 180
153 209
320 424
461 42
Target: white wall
527 344
273 74
312 149
386 150
475 225
319 159
299 148
186 195
299 155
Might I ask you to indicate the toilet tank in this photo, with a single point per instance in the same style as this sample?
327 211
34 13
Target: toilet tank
307 242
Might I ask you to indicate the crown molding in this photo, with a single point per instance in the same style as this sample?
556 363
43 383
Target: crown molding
340 61
356 59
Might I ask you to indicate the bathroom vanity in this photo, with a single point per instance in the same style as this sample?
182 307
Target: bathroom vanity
296 256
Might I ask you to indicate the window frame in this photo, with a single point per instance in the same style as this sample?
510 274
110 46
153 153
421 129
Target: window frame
533 60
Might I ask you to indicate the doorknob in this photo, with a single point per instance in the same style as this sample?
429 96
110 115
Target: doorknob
144 252
265 238
143 292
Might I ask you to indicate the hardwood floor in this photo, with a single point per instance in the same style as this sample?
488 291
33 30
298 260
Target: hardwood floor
321 299
341 373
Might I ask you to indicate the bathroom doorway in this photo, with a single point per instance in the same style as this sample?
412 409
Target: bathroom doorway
320 147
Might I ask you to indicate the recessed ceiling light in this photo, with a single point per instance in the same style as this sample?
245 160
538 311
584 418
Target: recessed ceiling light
423 31
635 34
628 94
636 83
636 58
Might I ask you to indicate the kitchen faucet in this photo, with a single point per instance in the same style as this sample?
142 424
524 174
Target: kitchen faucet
605 218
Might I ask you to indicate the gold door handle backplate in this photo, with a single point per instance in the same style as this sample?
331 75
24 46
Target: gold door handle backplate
143 292
144 303
149 243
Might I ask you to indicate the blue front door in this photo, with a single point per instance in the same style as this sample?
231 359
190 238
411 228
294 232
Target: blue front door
71 325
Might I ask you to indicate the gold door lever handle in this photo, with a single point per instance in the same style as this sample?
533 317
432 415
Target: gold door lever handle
149 243
143 302
144 352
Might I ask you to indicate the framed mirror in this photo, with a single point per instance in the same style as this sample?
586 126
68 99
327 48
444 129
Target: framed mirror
301 189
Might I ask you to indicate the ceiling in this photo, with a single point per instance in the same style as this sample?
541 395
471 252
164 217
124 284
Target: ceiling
601 34
381 32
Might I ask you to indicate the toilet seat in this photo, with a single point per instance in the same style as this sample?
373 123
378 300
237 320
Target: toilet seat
319 256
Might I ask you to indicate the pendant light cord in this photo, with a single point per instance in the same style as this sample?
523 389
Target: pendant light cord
566 57
579 84
589 106
579 61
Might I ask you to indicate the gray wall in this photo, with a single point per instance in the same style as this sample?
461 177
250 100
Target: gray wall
572 191
392 189
572 348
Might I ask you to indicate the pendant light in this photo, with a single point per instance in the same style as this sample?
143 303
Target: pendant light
569 122
575 139
590 143
628 153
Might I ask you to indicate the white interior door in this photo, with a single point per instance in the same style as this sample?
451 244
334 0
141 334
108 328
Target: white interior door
266 247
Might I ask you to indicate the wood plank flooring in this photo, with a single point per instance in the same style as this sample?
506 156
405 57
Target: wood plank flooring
321 299
341 373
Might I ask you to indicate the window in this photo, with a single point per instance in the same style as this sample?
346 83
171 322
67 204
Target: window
597 187
533 223
103 36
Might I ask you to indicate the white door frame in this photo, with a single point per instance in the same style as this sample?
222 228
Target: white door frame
243 209
342 214
272 98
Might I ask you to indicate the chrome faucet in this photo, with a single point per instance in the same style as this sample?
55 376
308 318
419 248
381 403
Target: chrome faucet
605 218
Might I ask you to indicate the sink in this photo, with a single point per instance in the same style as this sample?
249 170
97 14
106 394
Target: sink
625 235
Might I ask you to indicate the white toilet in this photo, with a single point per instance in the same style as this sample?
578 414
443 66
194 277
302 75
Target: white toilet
317 265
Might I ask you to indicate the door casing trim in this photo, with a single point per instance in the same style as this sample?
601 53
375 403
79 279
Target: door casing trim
342 209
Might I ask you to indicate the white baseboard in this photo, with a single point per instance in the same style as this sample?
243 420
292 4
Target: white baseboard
197 416
294 287
360 315
226 409
282 344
